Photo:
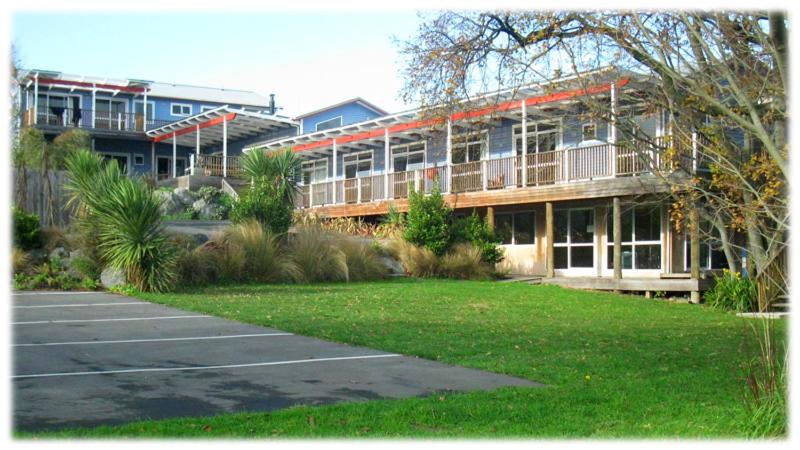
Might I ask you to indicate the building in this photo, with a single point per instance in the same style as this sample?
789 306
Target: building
550 177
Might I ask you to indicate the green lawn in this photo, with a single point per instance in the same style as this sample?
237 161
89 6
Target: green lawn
615 365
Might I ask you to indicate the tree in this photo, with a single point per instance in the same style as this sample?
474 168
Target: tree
721 77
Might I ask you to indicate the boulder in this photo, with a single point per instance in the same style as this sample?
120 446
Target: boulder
59 252
200 238
206 210
170 204
184 196
394 266
111 277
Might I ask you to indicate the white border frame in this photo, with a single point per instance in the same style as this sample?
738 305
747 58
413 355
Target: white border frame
341 123
514 227
424 151
358 154
484 136
314 162
136 155
172 109
577 271
518 126
609 241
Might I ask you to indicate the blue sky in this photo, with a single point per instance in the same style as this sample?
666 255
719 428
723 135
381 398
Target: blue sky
308 60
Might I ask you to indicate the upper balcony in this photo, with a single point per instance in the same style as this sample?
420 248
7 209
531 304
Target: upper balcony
100 120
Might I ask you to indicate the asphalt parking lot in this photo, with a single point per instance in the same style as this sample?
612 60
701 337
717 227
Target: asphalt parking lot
86 359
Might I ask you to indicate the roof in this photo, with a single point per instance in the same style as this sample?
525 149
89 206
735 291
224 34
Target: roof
358 100
241 124
154 89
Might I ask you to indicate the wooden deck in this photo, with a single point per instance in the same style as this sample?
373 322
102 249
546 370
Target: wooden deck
602 188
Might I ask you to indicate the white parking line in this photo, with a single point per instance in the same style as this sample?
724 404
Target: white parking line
132 341
57 293
107 320
81 304
229 366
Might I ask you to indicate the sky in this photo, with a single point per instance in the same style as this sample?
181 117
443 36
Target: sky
308 59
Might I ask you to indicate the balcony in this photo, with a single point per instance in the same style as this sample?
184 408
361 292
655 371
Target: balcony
82 118
553 168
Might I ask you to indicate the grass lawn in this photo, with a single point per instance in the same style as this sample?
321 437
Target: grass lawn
615 365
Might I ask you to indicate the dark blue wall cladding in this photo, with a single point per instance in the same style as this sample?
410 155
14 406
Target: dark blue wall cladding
132 148
350 113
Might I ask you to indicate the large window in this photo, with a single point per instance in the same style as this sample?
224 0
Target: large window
641 238
541 136
516 228
573 243
357 165
711 254
468 147
181 109
315 171
408 157
336 122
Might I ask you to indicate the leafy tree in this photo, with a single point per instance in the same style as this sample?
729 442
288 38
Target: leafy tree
428 221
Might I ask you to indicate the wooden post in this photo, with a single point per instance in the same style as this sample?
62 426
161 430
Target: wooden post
612 139
524 144
225 146
549 254
694 245
490 216
335 157
386 163
174 155
617 225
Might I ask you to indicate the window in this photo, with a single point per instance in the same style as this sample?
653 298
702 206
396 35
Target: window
205 108
181 109
641 238
541 137
358 165
408 157
468 147
588 132
516 228
138 160
711 254
336 122
573 238
315 171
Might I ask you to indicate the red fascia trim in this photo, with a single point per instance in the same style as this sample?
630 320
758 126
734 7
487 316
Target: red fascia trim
193 128
89 85
514 104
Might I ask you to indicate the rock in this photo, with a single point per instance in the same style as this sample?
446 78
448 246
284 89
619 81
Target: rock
111 277
394 266
74 254
200 238
184 196
170 204
58 252
205 210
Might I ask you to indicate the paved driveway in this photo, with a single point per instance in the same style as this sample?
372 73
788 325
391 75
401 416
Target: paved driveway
96 358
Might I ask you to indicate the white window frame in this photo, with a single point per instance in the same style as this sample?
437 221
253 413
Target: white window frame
341 121
138 155
591 123
126 155
407 146
204 108
514 226
609 247
314 164
466 140
558 121
172 109
152 106
358 155
687 242
577 271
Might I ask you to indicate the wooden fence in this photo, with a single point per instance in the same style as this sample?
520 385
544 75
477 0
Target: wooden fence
30 194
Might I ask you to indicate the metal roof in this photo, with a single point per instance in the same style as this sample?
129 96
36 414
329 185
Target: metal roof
241 124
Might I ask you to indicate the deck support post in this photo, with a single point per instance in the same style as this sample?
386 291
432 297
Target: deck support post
94 104
524 144
144 112
225 146
490 216
612 138
174 155
386 161
36 99
197 140
694 246
449 160
335 158
617 230
549 253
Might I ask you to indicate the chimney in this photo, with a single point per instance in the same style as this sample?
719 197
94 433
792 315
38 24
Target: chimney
272 104
556 74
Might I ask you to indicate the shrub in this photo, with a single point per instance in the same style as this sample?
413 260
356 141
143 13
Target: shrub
53 237
315 255
391 225
732 292
262 252
478 233
195 266
85 267
227 258
20 261
362 259
27 234
428 221
416 261
464 262
264 202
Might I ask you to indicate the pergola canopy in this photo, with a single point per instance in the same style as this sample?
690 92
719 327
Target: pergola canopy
238 124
